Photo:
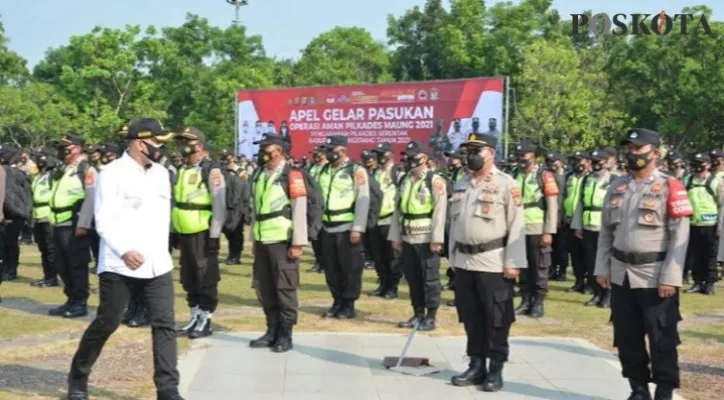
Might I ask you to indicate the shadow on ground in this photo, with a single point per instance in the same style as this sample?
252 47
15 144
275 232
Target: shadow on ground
30 380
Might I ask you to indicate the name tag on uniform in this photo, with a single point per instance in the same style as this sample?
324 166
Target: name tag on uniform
709 217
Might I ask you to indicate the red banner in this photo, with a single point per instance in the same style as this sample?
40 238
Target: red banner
369 114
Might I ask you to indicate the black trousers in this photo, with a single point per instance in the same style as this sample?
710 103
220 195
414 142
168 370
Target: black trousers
158 297
387 259
2 251
590 246
200 273
484 301
575 249
343 263
26 233
72 256
43 233
560 251
422 272
95 244
534 279
318 253
636 315
235 238
12 249
701 254
276 279
366 246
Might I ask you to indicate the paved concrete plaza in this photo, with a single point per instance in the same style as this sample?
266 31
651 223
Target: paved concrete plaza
349 367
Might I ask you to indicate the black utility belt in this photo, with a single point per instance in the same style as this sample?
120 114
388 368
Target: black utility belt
483 247
639 258
195 207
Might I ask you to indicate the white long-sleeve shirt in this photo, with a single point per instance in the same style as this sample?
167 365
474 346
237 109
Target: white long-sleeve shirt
132 212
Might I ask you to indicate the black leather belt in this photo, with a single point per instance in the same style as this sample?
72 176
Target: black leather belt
483 247
592 208
386 215
638 258
339 212
188 206
410 217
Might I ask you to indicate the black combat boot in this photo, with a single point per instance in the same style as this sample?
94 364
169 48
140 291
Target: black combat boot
194 313
686 277
709 289
130 312
316 268
59 311
451 303
428 323
269 338
45 283
639 390
381 288
390 293
595 299
552 273
419 315
141 318
588 289
605 299
525 305
233 261
696 288
168 395
494 380
76 310
475 374
536 311
203 326
336 307
78 389
663 393
577 287
284 342
347 311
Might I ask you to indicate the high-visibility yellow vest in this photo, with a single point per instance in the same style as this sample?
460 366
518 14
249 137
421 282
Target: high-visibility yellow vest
338 194
389 189
702 195
573 193
42 191
192 210
416 205
593 194
67 196
272 209
533 212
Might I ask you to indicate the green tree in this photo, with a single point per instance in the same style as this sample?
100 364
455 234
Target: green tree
12 66
342 56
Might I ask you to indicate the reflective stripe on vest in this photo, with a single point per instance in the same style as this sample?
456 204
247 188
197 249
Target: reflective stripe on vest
192 209
416 206
532 196
42 191
66 193
593 194
338 194
573 193
272 208
704 204
389 189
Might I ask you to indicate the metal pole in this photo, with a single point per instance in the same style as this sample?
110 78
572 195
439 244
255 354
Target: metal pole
507 116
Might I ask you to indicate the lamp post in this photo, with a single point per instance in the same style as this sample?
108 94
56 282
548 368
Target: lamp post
237 5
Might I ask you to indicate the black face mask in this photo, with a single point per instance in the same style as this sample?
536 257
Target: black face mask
552 167
332 156
383 159
597 166
579 168
715 163
188 150
699 167
523 164
153 153
475 161
62 152
637 162
412 163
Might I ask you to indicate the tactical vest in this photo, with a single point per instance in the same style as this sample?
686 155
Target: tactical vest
273 219
593 195
192 209
702 196
338 194
533 201
42 191
389 190
67 196
573 193
416 206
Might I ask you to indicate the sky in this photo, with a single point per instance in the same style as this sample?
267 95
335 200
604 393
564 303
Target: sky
286 26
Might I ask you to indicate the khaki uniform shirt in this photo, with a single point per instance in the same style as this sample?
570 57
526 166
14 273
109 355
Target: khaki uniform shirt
635 219
439 213
484 210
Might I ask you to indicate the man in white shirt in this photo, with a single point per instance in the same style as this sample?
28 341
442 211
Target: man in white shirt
132 213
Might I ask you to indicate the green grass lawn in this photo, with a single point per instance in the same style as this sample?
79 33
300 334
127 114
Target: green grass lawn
36 349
